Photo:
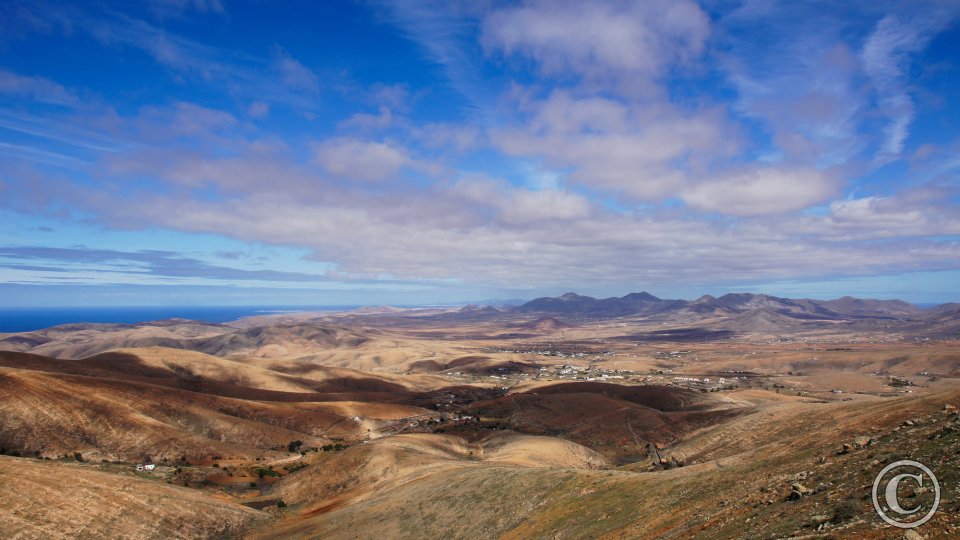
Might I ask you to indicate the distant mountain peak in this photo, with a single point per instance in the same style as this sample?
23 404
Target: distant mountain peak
643 295
739 296
476 309
546 324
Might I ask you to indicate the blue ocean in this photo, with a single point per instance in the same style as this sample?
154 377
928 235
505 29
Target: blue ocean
27 319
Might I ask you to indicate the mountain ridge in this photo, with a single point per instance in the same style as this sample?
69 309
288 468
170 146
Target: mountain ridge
646 304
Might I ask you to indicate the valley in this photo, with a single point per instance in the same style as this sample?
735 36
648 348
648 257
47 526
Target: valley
564 417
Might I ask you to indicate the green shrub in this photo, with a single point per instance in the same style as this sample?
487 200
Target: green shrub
261 472
296 467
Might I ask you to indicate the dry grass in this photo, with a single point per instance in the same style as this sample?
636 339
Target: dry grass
43 499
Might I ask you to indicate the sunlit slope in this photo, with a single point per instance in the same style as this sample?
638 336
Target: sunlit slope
42 499
56 414
417 488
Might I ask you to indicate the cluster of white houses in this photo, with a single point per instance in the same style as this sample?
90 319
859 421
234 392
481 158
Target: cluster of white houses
702 380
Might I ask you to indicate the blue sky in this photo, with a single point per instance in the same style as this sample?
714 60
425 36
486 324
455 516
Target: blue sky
213 152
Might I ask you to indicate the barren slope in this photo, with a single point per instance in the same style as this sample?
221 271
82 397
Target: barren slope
440 493
56 414
43 499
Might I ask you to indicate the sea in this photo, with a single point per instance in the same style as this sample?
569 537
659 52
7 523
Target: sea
28 319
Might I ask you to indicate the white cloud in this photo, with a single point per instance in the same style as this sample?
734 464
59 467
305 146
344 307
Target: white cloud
924 211
886 59
759 191
391 96
525 206
375 203
443 29
483 231
804 85
414 237
168 8
37 88
517 205
644 152
278 79
294 74
460 138
606 41
354 159
873 211
258 109
369 122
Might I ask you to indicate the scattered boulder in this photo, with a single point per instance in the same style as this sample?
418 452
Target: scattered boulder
819 519
863 441
798 491
823 486
948 407
911 534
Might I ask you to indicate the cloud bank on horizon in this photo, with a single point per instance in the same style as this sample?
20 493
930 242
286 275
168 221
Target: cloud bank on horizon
415 152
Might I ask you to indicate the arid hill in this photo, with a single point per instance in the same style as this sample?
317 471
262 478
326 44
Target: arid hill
168 404
545 324
730 497
43 499
673 419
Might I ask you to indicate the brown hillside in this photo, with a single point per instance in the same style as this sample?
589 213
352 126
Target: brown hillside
43 499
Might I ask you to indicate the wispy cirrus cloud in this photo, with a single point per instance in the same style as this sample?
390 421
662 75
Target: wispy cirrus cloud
40 89
178 8
146 263
447 33
239 72
887 56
